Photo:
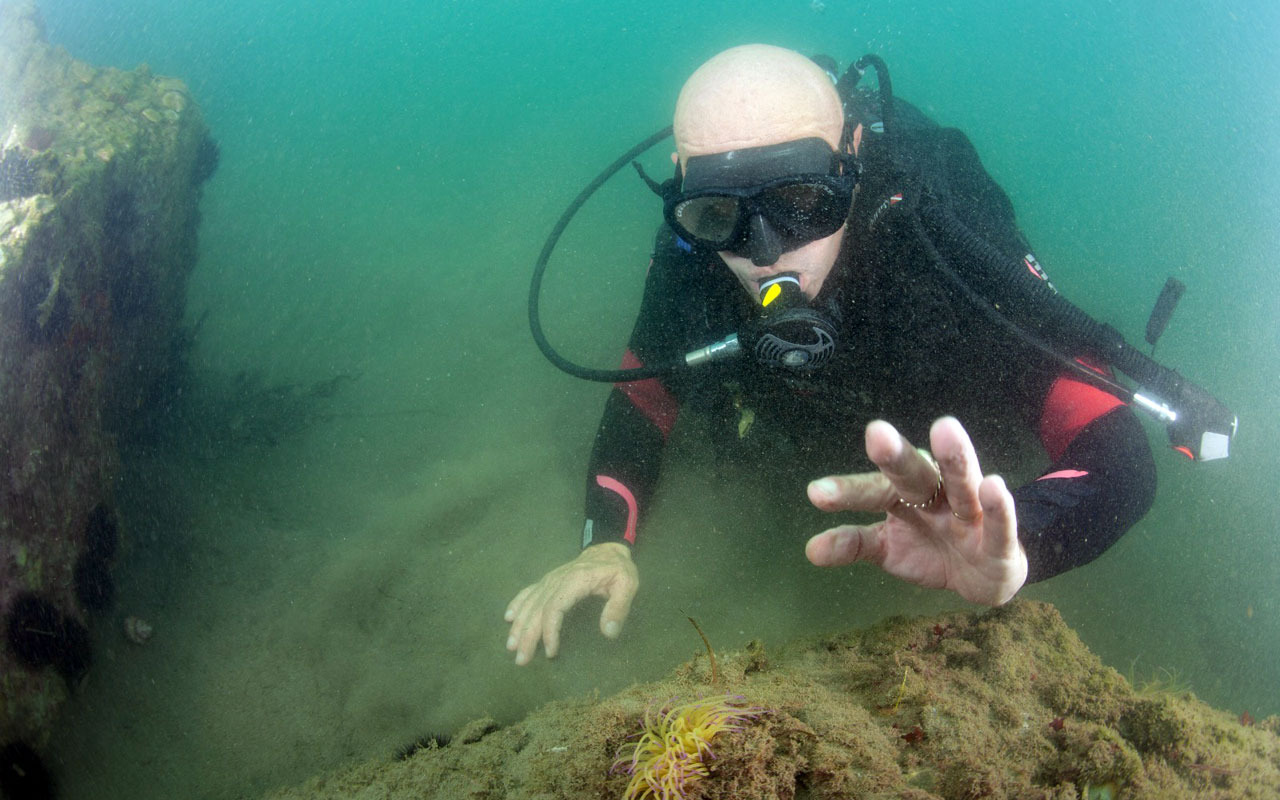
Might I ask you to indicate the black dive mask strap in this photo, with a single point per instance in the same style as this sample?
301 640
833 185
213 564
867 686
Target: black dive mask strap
666 189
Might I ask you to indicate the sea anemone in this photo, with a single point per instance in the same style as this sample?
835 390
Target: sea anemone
674 747
430 741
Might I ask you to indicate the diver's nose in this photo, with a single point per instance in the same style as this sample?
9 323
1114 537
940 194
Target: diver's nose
764 245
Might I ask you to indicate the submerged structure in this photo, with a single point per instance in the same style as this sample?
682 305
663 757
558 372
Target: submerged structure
100 175
1006 703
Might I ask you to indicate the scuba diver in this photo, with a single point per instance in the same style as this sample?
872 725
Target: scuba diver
850 240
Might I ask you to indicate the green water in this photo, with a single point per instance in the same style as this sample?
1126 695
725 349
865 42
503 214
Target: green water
388 173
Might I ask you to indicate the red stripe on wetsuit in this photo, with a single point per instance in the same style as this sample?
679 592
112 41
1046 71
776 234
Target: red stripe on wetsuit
650 397
1071 405
1101 480
654 404
633 508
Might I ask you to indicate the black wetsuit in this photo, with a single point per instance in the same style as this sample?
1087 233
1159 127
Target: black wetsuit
910 348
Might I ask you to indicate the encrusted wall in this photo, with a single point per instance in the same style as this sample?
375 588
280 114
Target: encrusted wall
100 176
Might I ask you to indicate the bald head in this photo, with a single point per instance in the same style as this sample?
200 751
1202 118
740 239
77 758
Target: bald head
755 95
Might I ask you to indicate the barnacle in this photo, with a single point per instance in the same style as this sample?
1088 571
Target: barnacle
674 746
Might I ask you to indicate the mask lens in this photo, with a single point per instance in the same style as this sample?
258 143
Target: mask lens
805 210
799 209
711 219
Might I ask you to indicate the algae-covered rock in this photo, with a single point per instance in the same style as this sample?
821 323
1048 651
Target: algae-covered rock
100 174
1002 704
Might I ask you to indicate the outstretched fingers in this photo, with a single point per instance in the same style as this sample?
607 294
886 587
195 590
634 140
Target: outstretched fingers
998 558
526 617
846 544
616 608
538 616
911 473
1000 523
513 608
958 463
537 613
868 491
947 525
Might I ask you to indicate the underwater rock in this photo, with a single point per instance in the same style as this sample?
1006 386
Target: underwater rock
98 220
1006 703
18 178
38 635
38 139
23 774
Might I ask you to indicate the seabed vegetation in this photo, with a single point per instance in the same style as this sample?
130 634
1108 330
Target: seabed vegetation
1007 703
1157 681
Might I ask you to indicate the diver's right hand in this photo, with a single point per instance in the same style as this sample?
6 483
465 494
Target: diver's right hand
605 570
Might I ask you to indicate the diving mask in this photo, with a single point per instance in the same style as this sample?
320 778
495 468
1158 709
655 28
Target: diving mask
761 202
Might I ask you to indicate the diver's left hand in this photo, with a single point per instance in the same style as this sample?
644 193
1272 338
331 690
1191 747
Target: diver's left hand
965 541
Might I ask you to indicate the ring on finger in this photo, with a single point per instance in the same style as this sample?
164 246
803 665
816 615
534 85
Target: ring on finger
937 490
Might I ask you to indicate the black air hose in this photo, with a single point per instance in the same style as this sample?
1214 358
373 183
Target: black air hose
883 85
981 301
540 267
1061 321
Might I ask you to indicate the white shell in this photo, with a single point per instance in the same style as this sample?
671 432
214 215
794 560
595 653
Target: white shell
137 630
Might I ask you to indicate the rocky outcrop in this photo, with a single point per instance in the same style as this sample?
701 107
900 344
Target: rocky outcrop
1006 703
100 175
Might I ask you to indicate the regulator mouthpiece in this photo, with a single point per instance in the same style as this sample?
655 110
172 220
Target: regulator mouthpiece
789 334
781 292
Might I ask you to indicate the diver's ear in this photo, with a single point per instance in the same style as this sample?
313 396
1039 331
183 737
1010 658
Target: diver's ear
851 138
675 157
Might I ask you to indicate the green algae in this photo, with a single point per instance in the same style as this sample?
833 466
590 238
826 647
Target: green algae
1002 704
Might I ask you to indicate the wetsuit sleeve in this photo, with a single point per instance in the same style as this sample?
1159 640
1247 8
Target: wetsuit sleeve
623 470
1102 476
1102 480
